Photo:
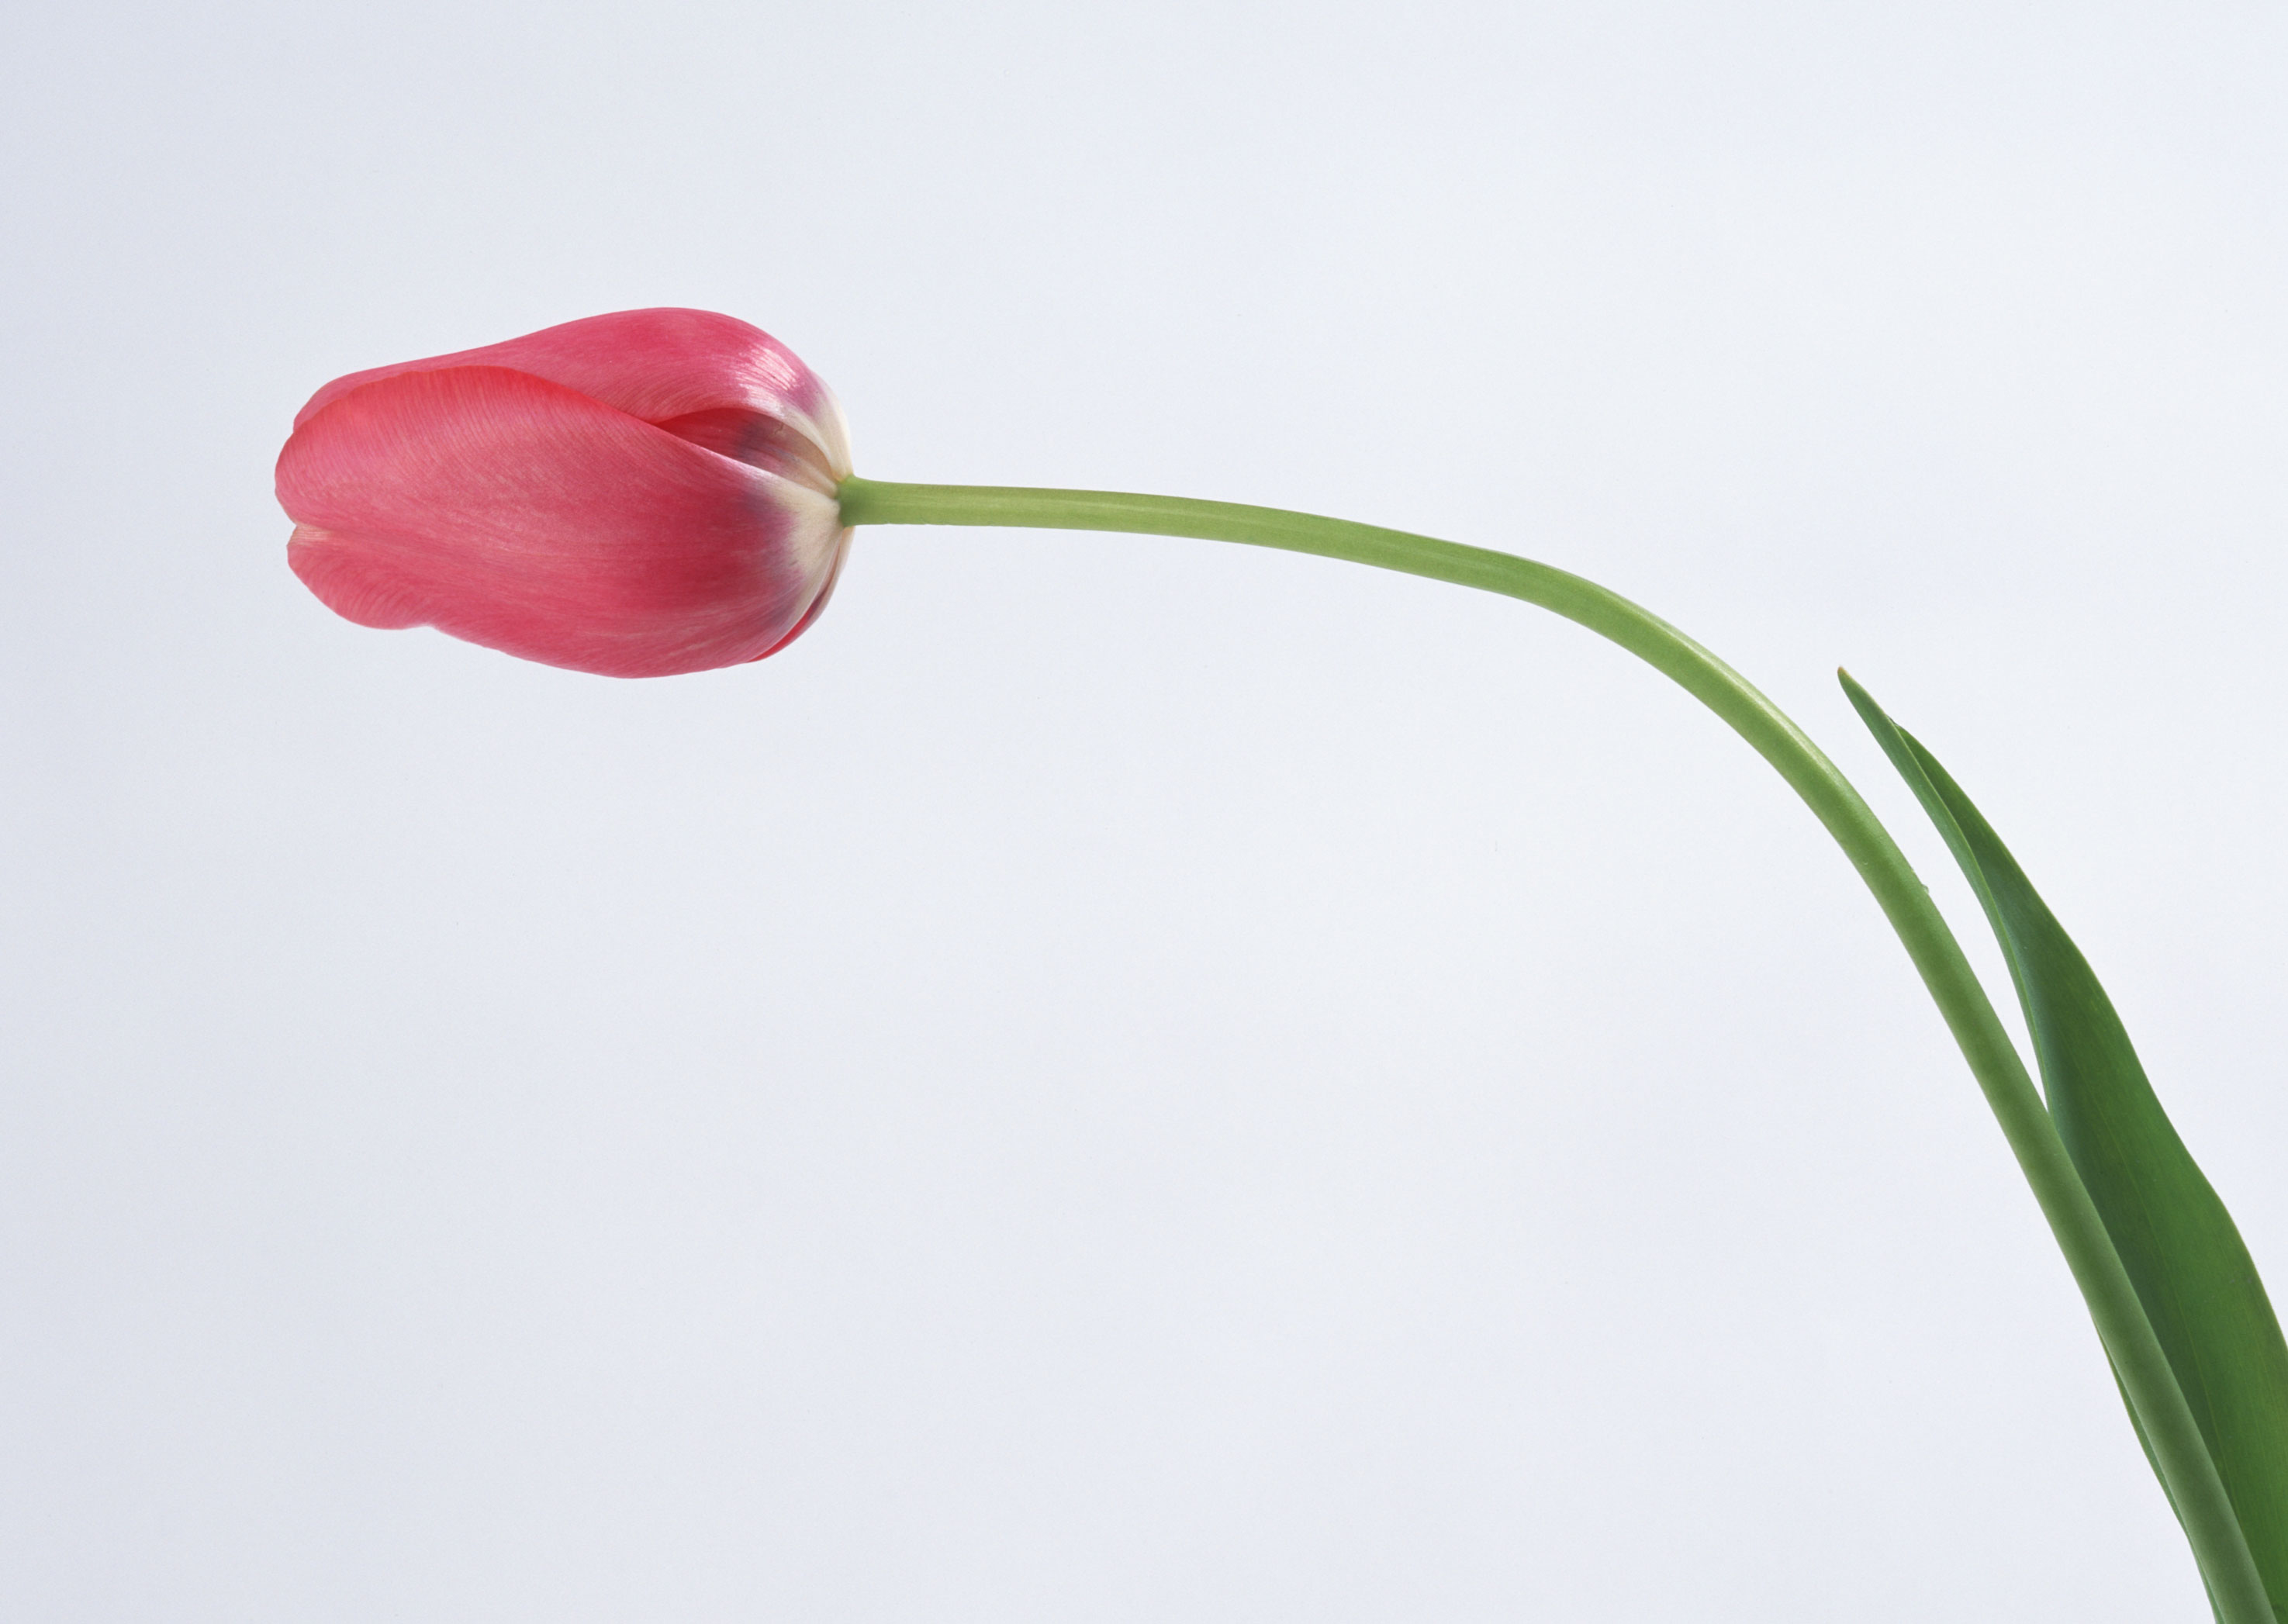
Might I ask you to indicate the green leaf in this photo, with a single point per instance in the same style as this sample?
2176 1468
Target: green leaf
2184 1256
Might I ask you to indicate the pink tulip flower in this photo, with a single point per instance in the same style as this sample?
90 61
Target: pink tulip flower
634 494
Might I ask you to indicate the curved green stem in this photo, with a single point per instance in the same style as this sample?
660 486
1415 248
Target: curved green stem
2187 1469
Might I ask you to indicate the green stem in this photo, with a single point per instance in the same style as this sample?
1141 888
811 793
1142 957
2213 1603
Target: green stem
2186 1470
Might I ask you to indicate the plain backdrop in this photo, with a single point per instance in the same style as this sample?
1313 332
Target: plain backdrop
1124 1079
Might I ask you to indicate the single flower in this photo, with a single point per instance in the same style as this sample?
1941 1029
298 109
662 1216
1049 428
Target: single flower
635 495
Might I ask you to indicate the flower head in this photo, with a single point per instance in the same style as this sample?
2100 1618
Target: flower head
634 494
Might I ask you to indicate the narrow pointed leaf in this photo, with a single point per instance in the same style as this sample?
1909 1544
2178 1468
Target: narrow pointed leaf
2183 1253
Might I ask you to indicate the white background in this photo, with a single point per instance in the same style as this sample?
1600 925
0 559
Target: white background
1127 1080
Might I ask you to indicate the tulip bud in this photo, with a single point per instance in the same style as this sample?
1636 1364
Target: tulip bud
634 494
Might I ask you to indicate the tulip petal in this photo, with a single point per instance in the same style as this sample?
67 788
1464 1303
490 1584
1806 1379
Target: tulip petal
818 603
523 515
656 365
759 441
